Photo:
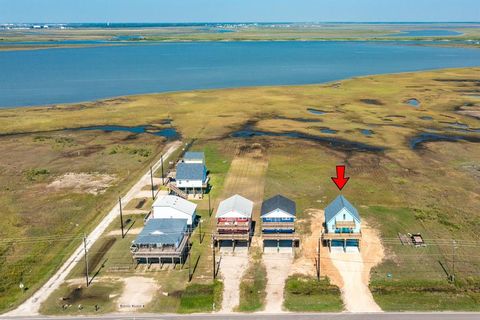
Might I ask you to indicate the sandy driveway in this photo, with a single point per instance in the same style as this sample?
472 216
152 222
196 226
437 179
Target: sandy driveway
354 269
138 292
278 267
32 305
355 293
232 268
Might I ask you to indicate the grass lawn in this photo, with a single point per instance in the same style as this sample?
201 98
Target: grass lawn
252 286
304 293
425 295
201 298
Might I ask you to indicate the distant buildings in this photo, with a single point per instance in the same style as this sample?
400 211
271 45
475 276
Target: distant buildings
342 224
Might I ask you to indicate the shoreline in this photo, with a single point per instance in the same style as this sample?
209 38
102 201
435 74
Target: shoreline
11 46
66 105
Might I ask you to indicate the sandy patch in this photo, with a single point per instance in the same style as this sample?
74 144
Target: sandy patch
130 232
93 183
305 263
232 268
138 292
278 267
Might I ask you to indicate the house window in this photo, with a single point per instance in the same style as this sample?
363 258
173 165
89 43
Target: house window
344 216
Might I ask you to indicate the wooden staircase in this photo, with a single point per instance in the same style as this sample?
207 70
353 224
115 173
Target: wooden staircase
173 188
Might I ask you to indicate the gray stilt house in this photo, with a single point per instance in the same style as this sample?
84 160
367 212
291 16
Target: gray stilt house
162 241
278 220
342 225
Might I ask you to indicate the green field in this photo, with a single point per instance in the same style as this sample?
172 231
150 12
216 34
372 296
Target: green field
433 189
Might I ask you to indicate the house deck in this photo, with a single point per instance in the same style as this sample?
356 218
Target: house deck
163 253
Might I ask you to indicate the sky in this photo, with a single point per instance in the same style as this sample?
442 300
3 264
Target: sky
237 10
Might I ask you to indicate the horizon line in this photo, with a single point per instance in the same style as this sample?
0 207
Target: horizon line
238 22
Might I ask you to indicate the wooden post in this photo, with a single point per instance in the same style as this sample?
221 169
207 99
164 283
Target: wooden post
86 258
200 233
121 215
318 260
151 181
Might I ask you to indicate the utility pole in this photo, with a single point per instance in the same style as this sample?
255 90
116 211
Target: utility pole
151 181
121 215
86 258
163 182
214 260
318 260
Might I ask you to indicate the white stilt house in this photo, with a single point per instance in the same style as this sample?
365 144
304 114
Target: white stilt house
191 174
173 207
234 220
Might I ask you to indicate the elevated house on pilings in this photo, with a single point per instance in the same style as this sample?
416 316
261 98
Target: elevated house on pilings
191 177
234 220
342 225
278 221
173 207
162 241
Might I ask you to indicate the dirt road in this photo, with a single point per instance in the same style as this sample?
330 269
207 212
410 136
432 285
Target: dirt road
32 305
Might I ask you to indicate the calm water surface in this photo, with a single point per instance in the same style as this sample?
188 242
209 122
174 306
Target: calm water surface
51 76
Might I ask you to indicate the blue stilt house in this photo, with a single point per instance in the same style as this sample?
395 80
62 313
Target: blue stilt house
342 224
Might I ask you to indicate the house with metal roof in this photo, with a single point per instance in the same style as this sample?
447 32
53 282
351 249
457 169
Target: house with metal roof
161 240
342 224
191 174
278 209
234 217
194 157
173 207
278 220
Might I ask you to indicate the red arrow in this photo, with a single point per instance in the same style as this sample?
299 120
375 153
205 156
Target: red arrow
340 180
